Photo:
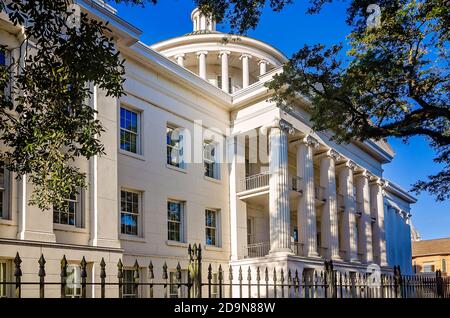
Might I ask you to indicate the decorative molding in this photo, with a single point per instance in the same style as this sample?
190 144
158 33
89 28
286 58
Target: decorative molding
285 126
199 53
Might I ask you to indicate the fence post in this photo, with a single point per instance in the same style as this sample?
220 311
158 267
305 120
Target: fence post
195 269
41 275
102 277
330 278
220 280
120 277
83 275
63 276
439 284
397 282
136 279
151 277
18 275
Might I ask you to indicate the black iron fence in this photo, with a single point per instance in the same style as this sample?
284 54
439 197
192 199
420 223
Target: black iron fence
253 282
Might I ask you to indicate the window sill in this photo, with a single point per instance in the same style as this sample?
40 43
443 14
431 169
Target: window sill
218 181
69 228
7 222
132 154
182 170
213 248
177 244
125 237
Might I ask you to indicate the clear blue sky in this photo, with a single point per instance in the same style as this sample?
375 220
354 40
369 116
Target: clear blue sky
288 31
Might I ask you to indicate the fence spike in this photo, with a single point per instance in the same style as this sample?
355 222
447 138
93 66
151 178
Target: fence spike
151 275
249 274
164 275
220 275
209 272
17 262
119 269
240 274
266 275
258 274
102 268
136 269
41 263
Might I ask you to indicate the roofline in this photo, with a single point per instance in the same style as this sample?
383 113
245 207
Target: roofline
146 55
107 13
430 254
400 192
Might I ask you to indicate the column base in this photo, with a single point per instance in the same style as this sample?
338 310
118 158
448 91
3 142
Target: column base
313 255
281 252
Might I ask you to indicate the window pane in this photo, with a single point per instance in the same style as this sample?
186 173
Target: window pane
129 212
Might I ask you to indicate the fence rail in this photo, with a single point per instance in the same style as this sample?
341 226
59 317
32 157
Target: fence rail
238 282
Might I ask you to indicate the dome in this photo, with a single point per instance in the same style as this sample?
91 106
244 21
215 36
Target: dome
231 62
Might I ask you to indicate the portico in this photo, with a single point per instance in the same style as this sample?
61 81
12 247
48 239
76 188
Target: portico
308 201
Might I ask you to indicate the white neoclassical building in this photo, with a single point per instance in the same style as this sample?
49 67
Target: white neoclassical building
197 153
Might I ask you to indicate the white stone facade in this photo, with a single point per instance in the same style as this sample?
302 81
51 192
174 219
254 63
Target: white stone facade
284 196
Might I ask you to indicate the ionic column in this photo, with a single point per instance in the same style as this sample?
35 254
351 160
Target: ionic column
365 225
280 239
180 59
349 219
330 231
262 67
225 81
245 70
378 235
306 209
202 63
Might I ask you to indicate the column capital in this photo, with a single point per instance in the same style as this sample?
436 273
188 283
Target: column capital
224 53
365 174
245 55
307 141
348 164
280 124
330 153
263 62
179 55
378 181
199 53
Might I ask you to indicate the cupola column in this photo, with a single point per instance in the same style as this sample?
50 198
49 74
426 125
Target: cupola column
262 67
202 63
225 74
245 70
180 59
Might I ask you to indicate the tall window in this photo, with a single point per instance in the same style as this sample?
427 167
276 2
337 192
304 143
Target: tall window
129 130
73 286
4 63
210 160
212 227
219 84
128 284
129 212
70 212
4 192
215 287
174 140
444 266
175 221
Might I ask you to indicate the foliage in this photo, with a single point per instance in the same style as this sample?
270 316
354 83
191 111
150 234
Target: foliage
45 120
396 83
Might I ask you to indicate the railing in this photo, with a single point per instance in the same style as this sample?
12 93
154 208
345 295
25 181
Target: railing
257 250
256 181
296 184
297 248
319 193
227 282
